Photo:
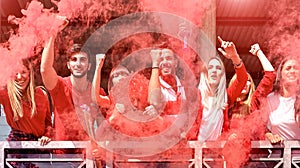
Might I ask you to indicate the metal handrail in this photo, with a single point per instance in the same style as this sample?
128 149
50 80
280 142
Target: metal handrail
288 160
287 147
36 145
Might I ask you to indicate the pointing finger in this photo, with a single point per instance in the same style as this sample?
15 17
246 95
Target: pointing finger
220 39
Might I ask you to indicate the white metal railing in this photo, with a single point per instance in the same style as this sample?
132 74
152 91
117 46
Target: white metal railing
52 145
287 159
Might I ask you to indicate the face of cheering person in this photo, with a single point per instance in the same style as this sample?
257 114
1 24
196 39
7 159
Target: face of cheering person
290 73
79 64
247 87
119 74
215 72
22 78
168 62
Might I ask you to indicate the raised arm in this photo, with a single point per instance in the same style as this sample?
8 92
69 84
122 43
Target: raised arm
48 72
255 50
229 51
266 84
154 92
101 100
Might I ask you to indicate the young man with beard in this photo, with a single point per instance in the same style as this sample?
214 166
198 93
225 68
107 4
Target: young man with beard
75 112
167 95
164 85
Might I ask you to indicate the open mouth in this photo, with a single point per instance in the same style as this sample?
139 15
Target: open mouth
165 68
20 82
214 77
165 65
292 77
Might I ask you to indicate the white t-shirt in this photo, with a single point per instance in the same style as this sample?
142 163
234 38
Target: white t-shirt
212 122
169 93
282 116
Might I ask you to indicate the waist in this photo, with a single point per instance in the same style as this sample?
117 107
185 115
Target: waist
17 135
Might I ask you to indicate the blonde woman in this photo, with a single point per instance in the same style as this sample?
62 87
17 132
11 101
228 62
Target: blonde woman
27 112
26 108
250 99
215 98
241 106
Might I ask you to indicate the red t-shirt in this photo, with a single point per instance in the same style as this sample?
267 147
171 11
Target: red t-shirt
71 124
38 124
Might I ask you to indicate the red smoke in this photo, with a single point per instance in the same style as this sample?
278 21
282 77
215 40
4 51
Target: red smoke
191 10
37 24
282 33
282 38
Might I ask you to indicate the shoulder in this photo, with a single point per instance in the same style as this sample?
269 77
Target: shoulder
3 90
272 96
61 85
41 91
3 93
63 80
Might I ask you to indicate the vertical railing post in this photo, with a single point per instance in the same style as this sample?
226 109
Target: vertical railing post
287 155
198 152
198 157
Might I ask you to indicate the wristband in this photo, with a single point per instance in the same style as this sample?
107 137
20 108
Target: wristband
257 52
239 64
155 67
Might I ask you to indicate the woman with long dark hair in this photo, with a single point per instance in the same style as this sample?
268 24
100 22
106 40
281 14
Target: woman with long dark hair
283 104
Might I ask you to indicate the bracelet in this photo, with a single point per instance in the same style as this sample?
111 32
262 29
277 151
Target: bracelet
257 52
155 67
239 64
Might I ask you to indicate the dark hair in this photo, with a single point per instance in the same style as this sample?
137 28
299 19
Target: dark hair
77 48
278 87
110 83
164 45
27 63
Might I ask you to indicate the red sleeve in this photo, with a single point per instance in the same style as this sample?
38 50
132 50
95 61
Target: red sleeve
263 89
194 131
3 92
238 85
102 92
